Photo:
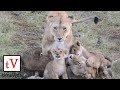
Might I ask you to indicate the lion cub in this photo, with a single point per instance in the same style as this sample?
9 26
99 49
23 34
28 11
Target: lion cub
92 59
36 62
79 67
57 67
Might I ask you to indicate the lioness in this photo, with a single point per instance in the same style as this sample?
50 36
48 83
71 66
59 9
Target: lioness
57 67
59 28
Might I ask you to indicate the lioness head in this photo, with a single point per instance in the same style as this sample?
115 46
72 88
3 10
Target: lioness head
60 25
60 29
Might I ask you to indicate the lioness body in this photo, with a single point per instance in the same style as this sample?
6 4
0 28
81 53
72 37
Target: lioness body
59 28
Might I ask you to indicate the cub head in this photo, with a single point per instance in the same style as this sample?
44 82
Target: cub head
76 64
76 48
58 53
73 59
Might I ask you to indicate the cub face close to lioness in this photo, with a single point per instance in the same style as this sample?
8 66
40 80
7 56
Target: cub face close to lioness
57 67
79 67
95 60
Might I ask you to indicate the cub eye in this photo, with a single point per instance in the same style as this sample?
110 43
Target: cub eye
64 28
60 51
74 50
65 52
50 16
55 28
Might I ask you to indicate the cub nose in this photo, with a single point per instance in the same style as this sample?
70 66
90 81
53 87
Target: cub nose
59 39
57 54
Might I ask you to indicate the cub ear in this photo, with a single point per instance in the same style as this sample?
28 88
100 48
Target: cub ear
78 43
50 55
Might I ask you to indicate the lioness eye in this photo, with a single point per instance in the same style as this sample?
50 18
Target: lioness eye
64 28
50 16
55 28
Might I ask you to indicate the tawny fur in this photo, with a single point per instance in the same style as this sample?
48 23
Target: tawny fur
36 61
79 68
57 67
94 60
57 20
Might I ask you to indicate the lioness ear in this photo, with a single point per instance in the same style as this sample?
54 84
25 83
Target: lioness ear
71 19
50 18
78 43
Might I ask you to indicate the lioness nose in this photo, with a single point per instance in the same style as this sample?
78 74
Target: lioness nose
59 38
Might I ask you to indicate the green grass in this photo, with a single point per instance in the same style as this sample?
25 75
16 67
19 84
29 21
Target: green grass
116 69
19 33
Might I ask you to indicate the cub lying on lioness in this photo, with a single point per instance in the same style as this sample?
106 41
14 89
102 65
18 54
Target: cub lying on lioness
57 67
79 68
95 60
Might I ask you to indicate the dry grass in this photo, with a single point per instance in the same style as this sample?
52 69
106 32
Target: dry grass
22 30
